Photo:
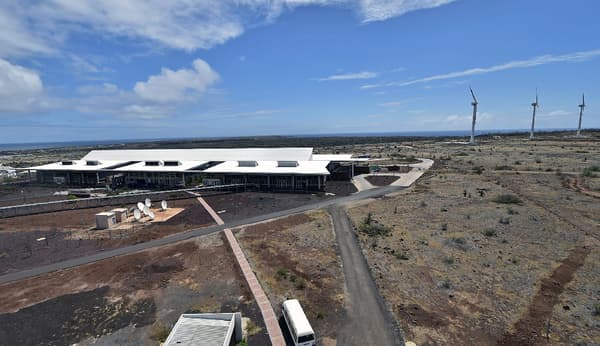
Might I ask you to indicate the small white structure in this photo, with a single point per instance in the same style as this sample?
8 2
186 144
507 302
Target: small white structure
120 214
105 220
219 329
298 325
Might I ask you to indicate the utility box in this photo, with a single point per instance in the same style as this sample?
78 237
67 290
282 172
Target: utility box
120 214
105 220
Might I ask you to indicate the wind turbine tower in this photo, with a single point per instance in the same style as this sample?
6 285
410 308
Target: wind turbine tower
535 106
474 104
581 107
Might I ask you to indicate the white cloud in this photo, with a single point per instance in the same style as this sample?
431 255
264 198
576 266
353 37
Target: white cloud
371 86
31 28
20 88
392 104
350 76
536 61
556 114
179 85
378 10
145 112
16 37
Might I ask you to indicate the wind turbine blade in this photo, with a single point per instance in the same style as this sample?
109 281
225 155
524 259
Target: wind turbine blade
583 99
473 94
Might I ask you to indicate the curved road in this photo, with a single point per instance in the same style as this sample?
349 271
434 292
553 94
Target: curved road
24 274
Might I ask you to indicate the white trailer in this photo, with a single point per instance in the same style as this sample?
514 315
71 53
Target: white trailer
298 325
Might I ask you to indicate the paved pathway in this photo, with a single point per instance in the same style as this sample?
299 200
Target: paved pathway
259 295
370 321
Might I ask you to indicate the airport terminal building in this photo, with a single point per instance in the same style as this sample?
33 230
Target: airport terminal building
264 168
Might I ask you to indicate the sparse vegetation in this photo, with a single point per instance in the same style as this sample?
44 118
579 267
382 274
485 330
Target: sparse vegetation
504 168
507 199
449 260
282 273
159 332
373 228
252 328
590 172
489 232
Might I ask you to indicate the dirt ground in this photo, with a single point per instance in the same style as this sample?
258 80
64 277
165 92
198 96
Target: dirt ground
460 268
128 299
15 194
381 180
71 234
237 206
296 257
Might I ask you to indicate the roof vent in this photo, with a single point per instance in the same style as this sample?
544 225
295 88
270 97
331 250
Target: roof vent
287 163
153 163
172 163
92 163
67 163
247 163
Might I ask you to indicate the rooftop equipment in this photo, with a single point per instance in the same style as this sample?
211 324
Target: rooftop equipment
163 205
137 214
120 214
247 163
287 163
105 220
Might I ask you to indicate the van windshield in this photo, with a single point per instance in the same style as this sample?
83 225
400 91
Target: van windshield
305 338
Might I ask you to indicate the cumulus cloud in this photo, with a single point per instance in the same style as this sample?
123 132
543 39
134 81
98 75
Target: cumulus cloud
20 88
188 25
350 76
179 85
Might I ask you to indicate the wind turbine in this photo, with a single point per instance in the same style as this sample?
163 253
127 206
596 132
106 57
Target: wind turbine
581 107
474 104
535 105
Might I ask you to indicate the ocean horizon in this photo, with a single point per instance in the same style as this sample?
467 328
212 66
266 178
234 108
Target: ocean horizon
82 143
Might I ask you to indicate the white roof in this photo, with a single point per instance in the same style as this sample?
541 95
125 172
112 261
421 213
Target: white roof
217 154
300 322
271 167
336 157
202 329
141 167
79 165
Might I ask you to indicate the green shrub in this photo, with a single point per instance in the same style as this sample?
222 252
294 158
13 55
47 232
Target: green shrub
504 220
300 284
596 309
507 199
504 168
489 232
372 227
449 260
590 171
282 273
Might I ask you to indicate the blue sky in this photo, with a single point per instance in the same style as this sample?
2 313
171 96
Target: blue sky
94 70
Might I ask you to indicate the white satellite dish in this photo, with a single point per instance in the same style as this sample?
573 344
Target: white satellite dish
163 205
151 214
140 206
137 214
146 210
148 202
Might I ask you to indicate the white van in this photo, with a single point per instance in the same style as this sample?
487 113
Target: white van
298 325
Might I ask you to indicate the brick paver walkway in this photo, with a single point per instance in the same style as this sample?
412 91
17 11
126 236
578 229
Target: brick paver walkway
259 295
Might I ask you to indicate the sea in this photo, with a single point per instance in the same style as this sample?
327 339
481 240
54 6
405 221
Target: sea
50 145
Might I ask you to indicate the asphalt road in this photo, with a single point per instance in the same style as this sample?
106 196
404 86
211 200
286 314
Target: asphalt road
370 321
24 274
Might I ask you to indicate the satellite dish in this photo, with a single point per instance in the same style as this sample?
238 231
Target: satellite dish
148 202
163 205
151 214
146 210
137 214
140 206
